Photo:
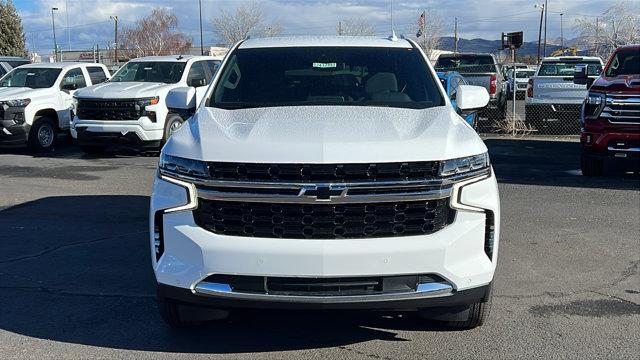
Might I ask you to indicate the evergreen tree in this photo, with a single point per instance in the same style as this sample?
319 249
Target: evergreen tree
12 42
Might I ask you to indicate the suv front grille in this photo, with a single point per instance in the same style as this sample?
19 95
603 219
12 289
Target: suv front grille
323 221
335 286
622 109
229 171
108 110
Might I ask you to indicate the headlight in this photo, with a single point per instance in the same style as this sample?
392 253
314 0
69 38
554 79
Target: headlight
464 165
593 105
173 165
146 102
17 103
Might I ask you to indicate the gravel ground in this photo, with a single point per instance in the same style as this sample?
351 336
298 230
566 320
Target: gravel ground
75 280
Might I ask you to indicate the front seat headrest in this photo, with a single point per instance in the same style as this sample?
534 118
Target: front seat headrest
381 82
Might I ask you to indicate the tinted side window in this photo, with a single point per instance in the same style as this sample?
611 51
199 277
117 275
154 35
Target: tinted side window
197 76
74 76
96 74
213 65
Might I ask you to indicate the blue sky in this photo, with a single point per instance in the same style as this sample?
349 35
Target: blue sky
89 19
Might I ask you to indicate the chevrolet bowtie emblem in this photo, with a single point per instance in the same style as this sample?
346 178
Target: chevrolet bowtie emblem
323 193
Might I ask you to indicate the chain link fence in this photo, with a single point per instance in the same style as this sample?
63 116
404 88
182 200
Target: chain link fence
521 120
518 117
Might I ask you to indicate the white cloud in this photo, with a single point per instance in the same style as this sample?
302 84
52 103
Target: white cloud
90 24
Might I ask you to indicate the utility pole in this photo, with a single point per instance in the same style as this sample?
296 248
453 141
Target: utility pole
597 35
340 28
546 12
540 30
66 11
201 39
455 38
53 25
115 48
392 30
561 34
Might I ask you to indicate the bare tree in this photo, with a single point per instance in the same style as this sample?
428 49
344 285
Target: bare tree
156 35
355 27
248 19
428 35
618 25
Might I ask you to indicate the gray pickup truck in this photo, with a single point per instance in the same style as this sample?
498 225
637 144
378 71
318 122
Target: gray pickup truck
482 70
553 101
9 62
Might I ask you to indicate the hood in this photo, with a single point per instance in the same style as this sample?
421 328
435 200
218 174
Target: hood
622 83
16 93
123 90
325 134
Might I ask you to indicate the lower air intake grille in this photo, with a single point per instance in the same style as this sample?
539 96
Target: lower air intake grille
323 221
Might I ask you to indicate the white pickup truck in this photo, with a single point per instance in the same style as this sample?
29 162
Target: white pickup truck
552 97
36 101
131 106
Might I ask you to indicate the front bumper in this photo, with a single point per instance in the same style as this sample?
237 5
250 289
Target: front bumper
619 145
13 127
461 299
143 129
456 254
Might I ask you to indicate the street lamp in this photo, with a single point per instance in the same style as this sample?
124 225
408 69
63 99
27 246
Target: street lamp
201 41
541 7
53 25
115 30
561 34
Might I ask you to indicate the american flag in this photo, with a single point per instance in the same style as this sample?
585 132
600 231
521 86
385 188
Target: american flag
420 25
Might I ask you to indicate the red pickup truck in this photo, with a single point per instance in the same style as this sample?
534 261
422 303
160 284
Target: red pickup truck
611 114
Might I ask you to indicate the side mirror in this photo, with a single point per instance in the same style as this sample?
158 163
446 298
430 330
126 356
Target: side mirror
197 82
70 86
580 75
183 98
471 98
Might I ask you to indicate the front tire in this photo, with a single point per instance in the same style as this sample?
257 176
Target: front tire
478 315
42 136
170 313
173 124
591 166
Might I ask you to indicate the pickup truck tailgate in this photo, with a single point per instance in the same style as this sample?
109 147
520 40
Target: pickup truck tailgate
558 90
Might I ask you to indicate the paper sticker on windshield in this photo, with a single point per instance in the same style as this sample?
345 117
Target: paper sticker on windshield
325 65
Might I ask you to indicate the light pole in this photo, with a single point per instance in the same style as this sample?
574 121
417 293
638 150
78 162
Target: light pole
201 41
561 34
53 25
546 12
66 11
541 7
115 48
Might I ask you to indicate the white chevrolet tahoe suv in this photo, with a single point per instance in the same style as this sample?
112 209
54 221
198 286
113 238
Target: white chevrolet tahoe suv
326 173
552 99
131 107
36 101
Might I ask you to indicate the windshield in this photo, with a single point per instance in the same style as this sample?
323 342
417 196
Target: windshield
299 76
34 78
466 63
624 62
161 72
567 68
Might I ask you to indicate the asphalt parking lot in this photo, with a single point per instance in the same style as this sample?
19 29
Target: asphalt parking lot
76 281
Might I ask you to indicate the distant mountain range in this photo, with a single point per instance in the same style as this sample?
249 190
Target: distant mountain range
490 46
